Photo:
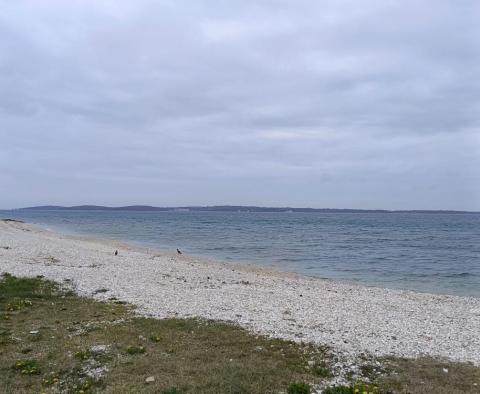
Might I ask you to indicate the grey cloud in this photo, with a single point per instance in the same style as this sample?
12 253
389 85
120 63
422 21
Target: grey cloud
368 104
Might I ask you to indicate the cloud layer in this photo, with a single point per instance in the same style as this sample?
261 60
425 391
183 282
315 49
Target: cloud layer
371 104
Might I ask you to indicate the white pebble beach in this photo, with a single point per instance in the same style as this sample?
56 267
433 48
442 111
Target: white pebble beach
352 319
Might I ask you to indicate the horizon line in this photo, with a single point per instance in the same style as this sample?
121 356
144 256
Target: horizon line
225 207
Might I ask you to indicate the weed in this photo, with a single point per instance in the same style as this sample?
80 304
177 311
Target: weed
83 355
155 338
136 349
18 305
27 367
322 372
299 388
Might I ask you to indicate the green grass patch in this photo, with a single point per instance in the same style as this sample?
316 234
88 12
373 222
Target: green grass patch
13 289
136 349
299 388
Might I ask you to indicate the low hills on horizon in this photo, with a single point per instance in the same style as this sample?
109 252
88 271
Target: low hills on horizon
225 208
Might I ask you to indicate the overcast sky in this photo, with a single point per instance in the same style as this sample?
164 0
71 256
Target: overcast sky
338 103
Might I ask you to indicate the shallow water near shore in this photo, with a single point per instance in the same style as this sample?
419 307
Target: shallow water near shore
428 252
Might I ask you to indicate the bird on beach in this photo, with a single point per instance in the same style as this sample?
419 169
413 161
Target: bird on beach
178 251
116 252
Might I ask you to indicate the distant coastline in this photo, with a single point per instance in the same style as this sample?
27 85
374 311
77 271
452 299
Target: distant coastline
228 208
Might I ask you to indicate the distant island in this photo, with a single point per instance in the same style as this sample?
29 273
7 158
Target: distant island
225 208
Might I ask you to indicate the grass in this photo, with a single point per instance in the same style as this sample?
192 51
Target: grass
135 349
54 341
56 338
299 388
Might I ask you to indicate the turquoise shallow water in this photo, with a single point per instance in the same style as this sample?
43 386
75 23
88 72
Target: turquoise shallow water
432 252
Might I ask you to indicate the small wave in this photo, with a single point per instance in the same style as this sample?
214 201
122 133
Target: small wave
443 275
223 248
460 275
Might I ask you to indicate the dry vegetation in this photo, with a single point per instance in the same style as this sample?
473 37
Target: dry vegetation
427 376
52 341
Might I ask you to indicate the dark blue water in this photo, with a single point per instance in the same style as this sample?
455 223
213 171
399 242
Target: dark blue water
430 252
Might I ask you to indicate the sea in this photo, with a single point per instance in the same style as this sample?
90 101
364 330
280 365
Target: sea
426 252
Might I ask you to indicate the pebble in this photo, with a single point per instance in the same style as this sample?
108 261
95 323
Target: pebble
99 348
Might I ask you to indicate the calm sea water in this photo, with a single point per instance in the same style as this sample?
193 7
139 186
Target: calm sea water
426 252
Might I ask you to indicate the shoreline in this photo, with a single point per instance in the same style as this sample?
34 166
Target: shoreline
351 318
237 265
271 268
